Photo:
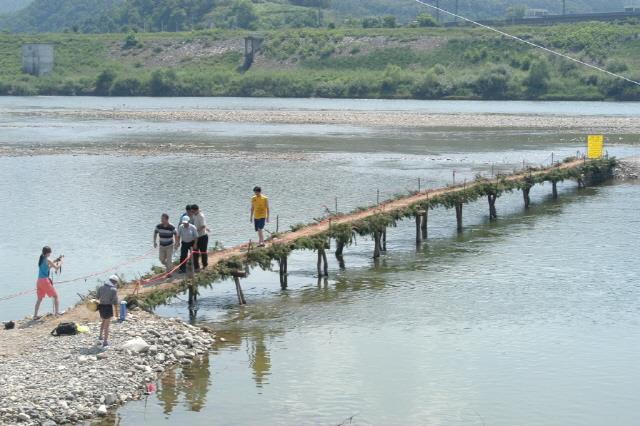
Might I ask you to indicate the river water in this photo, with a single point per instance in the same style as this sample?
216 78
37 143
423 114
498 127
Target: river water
532 319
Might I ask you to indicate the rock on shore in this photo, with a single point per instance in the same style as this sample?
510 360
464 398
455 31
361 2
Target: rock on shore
628 168
70 379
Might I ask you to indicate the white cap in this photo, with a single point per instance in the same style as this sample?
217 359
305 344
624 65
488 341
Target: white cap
185 219
114 279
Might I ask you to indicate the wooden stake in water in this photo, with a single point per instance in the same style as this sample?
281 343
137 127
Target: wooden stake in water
378 197
419 186
277 224
454 177
336 205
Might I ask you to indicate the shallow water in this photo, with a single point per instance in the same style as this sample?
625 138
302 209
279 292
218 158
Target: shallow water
529 320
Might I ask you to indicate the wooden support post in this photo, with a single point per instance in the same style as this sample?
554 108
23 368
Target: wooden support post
493 214
418 228
384 240
282 267
240 293
191 274
376 247
554 189
459 216
339 248
423 225
319 262
326 263
525 196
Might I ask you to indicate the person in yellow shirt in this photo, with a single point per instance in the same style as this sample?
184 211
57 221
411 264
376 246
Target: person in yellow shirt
259 213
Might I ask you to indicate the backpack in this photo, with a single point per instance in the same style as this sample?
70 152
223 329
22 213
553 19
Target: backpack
65 329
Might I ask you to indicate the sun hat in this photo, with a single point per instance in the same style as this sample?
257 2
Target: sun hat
114 279
185 219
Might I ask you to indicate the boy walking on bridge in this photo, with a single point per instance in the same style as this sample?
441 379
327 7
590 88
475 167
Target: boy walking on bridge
259 213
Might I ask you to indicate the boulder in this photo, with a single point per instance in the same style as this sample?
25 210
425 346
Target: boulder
136 345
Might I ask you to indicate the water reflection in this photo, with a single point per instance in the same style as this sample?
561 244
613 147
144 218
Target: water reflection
189 384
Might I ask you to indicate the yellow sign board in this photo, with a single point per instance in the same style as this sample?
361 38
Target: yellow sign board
595 146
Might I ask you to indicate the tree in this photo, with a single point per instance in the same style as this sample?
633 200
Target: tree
104 81
426 20
245 14
389 21
537 81
516 11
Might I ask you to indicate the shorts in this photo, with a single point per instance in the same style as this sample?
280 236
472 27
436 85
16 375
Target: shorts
45 288
259 223
106 311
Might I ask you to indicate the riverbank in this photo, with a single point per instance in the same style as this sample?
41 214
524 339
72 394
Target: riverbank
397 63
46 380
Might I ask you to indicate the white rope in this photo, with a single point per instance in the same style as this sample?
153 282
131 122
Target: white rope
546 49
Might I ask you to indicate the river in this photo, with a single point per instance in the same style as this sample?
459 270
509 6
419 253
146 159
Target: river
532 319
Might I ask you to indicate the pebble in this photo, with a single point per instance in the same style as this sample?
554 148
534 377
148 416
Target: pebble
77 381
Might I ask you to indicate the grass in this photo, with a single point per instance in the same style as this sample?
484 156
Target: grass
456 63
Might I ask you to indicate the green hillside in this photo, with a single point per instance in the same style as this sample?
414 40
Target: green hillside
102 16
434 63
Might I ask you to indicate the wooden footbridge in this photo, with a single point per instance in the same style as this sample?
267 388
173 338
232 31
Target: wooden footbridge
373 221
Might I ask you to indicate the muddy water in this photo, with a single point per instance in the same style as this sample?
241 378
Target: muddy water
529 320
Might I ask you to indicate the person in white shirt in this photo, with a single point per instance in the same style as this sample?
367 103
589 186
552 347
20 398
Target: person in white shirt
186 238
202 243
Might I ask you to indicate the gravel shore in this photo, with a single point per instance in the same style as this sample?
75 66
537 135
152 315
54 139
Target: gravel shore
70 379
390 119
628 168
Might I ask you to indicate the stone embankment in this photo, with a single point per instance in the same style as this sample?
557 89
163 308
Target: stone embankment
628 168
70 379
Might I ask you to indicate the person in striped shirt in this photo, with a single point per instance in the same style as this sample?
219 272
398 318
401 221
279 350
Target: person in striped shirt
166 233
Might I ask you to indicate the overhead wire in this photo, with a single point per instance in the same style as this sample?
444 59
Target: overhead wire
530 43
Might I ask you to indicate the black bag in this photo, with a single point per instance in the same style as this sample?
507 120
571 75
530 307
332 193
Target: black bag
9 325
65 329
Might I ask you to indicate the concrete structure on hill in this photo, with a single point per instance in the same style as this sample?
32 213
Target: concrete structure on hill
37 58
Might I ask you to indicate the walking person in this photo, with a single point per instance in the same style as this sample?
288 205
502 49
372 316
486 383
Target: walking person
167 233
259 213
186 238
45 283
107 305
202 243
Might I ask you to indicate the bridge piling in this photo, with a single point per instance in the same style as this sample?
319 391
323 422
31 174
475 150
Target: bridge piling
459 216
419 226
526 197
423 225
493 214
384 240
376 244
236 278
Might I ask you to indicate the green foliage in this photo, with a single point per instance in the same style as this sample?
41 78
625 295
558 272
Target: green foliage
537 81
426 20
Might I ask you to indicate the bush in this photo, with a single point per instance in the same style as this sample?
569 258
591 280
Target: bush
104 81
537 81
426 20
492 84
431 86
130 86
130 42
164 83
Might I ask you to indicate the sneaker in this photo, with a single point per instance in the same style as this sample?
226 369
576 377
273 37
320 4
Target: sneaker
105 344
